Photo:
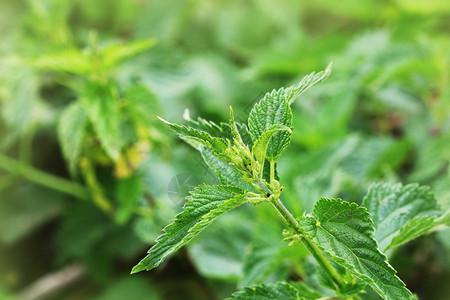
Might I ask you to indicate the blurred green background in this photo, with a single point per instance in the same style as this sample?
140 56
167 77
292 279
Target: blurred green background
89 175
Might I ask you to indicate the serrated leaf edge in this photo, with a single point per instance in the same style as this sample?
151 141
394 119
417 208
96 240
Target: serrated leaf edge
196 229
343 261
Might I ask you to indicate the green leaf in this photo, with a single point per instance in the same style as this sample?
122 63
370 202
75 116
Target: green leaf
114 54
432 158
261 144
417 227
218 253
142 103
350 288
226 173
394 207
266 171
71 61
128 193
129 288
71 129
205 204
272 110
196 138
324 115
344 231
99 101
306 292
26 207
87 235
275 108
279 291
245 134
267 255
21 108
306 83
222 130
77 62
372 156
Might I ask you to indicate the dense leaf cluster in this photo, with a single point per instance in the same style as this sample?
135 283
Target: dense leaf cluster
346 239
89 174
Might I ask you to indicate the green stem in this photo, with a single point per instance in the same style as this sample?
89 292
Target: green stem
25 147
292 222
94 187
43 178
272 173
315 251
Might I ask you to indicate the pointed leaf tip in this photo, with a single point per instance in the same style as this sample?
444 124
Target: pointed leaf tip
161 119
328 69
401 212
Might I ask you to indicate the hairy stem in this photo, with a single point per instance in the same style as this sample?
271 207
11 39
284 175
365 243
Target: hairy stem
43 178
292 222
315 251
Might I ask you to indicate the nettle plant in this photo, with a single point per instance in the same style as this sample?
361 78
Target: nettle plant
345 239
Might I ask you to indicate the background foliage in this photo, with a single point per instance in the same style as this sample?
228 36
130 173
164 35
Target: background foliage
89 175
